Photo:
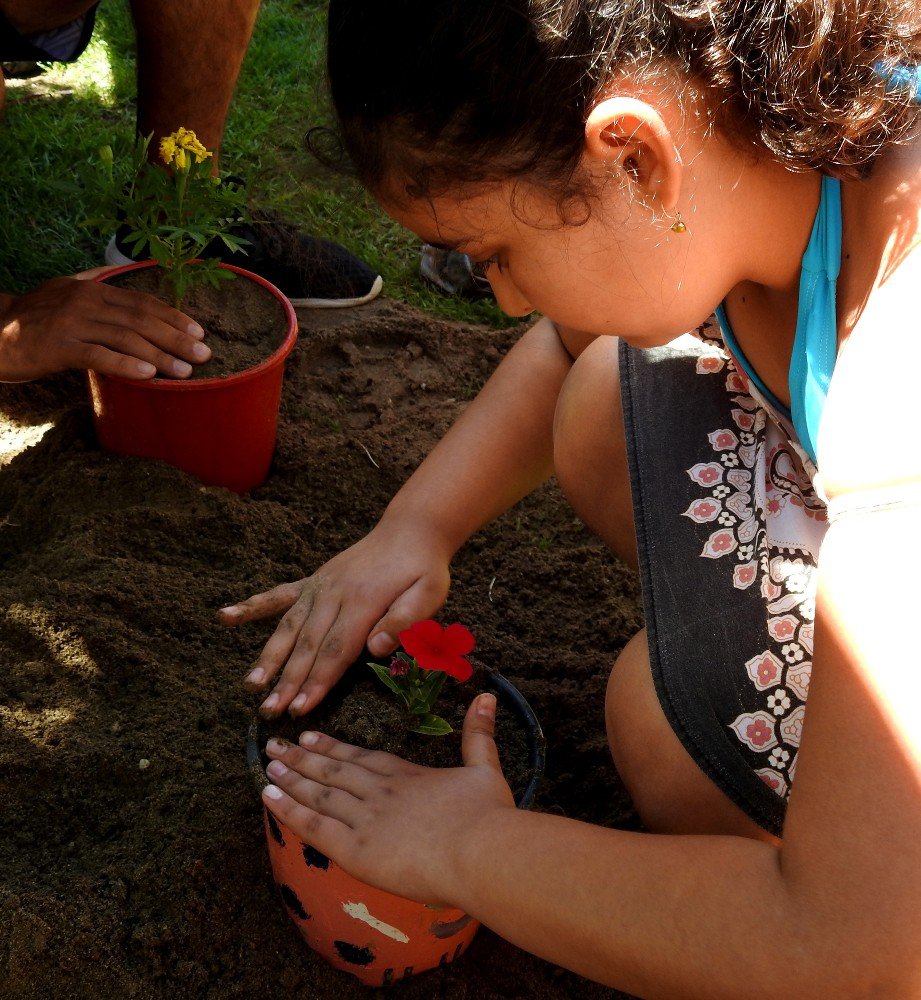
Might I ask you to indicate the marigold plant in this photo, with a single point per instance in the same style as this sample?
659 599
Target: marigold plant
174 208
416 676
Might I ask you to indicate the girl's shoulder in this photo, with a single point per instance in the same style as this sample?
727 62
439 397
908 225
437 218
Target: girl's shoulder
870 436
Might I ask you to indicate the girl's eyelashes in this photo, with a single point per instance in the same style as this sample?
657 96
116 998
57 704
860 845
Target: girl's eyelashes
480 269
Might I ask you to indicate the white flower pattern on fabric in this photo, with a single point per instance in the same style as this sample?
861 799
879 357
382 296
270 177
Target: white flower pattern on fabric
769 518
778 702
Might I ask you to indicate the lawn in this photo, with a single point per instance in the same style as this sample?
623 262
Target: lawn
55 123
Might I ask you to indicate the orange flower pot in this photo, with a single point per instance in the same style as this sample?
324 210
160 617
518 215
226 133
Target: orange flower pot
376 936
221 430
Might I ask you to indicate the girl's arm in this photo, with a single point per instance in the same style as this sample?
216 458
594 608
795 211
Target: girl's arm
501 446
834 911
499 449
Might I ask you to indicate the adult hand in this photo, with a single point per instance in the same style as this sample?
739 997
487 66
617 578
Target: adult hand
396 825
79 323
393 577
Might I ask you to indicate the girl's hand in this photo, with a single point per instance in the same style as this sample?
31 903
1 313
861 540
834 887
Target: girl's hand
392 824
73 323
393 577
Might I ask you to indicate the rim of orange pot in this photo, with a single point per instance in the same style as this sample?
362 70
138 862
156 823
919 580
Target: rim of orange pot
501 687
196 385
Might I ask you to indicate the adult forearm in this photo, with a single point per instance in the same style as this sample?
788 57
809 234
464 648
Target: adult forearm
499 449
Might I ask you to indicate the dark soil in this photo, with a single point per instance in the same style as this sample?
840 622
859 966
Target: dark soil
243 322
133 861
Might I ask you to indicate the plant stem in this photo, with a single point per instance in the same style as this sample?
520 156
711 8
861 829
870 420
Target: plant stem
177 256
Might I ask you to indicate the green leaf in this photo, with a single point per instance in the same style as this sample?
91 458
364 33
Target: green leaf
431 725
384 677
234 243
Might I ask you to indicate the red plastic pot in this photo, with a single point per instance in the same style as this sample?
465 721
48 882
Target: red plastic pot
375 935
221 430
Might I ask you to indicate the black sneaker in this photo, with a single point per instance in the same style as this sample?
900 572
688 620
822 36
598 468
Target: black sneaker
451 272
311 272
23 70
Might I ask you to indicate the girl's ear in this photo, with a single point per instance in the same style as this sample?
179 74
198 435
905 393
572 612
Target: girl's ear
625 134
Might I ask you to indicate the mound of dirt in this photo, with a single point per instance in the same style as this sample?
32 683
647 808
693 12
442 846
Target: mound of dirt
134 863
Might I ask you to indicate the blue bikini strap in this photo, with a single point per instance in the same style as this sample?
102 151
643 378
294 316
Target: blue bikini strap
815 346
901 78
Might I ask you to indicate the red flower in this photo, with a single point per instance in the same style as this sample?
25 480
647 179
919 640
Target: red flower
437 648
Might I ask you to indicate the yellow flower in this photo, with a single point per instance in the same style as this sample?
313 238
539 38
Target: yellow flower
168 149
174 147
188 140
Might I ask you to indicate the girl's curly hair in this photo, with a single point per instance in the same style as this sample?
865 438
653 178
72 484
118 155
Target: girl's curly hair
472 90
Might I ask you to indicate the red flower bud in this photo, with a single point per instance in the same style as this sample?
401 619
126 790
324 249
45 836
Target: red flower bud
398 667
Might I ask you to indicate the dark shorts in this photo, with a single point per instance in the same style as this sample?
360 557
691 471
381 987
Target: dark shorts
63 44
728 529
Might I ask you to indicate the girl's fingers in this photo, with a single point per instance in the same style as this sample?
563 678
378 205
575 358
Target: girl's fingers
268 604
478 744
277 650
327 835
299 658
318 744
349 776
330 800
341 646
372 760
418 602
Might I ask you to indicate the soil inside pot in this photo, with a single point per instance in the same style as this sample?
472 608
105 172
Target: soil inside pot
361 711
243 321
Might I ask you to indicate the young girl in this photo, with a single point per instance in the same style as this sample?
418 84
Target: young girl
626 169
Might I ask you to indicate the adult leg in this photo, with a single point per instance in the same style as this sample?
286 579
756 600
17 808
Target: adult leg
189 57
669 790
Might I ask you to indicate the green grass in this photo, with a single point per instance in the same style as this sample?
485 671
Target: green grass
55 124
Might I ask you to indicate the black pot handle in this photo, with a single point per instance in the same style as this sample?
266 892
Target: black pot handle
537 744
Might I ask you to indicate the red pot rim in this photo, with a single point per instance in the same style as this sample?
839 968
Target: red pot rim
196 385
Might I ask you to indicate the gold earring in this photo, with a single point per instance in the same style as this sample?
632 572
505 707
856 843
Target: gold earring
678 226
